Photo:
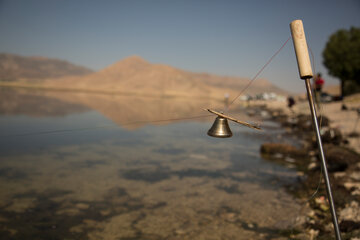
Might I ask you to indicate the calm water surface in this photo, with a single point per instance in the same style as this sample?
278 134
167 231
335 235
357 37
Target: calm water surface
105 180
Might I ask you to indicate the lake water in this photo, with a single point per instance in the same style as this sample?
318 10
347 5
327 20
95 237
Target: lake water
81 166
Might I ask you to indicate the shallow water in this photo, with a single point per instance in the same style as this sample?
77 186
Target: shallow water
104 180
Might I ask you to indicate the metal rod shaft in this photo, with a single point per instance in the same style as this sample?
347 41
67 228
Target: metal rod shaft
323 161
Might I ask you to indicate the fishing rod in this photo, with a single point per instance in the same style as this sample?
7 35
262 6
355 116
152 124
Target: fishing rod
305 72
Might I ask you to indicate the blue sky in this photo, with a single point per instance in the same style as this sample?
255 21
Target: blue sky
233 38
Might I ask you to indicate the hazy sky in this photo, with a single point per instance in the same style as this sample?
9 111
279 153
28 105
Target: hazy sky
233 38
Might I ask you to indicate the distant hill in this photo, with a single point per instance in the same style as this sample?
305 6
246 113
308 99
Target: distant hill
134 75
14 67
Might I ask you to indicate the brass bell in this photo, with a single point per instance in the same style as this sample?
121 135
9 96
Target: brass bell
220 128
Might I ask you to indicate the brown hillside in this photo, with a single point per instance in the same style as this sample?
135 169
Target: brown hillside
14 67
136 75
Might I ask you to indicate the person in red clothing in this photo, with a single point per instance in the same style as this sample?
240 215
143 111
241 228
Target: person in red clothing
319 83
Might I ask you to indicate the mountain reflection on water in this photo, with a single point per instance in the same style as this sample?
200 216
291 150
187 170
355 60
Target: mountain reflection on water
154 182
125 111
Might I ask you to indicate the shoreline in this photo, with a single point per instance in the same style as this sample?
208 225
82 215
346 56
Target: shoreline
347 122
341 146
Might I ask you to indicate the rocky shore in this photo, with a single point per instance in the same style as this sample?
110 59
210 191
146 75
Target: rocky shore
341 141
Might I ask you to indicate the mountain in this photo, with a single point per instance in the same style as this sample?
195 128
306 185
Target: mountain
134 75
14 67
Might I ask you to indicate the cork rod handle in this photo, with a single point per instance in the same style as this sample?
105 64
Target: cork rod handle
301 49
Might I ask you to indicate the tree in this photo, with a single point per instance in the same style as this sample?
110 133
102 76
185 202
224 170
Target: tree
342 59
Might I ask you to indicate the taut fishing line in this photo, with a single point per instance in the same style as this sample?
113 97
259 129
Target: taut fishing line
104 126
258 73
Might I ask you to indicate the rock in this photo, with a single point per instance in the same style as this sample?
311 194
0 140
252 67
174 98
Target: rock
313 233
299 236
82 206
312 153
329 227
77 229
355 175
350 185
353 135
312 166
354 187
250 225
68 211
350 213
300 220
251 113
312 221
304 122
278 155
347 225
105 212
180 232
356 192
90 223
264 114
292 121
331 135
231 217
339 174
311 213
307 125
282 148
290 160
339 158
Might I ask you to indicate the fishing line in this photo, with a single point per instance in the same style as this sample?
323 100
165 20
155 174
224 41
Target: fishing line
103 126
319 102
258 73
318 186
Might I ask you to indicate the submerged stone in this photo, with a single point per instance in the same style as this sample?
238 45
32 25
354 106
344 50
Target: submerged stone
282 148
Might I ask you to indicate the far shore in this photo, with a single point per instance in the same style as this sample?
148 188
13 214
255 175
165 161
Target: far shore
43 87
